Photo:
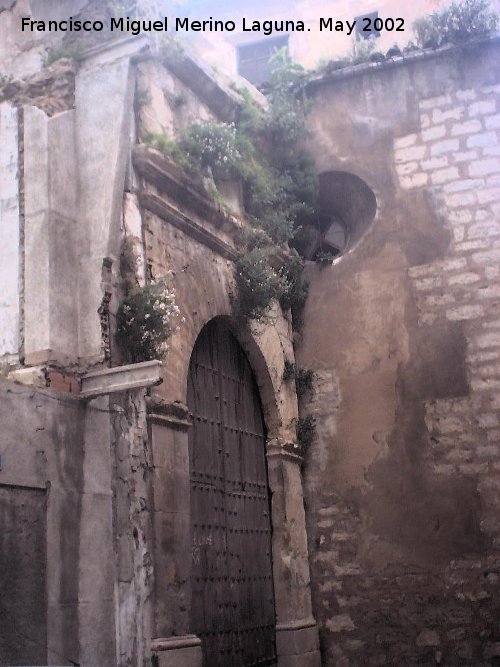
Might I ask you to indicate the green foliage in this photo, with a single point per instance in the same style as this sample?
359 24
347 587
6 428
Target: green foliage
304 379
219 199
169 147
287 106
5 79
306 431
279 180
257 283
202 146
253 237
145 322
281 188
176 101
171 50
128 263
455 24
294 295
361 51
75 51
279 184
304 382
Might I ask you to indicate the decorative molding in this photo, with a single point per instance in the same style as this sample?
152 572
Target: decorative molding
22 482
421 55
169 213
292 626
169 179
121 378
175 643
169 421
135 47
207 85
171 415
290 451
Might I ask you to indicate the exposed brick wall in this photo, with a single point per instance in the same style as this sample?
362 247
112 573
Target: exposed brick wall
52 89
62 382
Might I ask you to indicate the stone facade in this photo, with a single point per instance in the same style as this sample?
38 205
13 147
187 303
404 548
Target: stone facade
401 492
402 481
103 450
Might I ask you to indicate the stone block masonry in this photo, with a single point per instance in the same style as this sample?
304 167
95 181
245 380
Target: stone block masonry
464 433
457 147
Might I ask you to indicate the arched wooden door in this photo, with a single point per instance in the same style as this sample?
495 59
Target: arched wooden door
232 588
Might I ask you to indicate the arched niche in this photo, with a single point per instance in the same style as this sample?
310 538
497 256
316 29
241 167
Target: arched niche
347 208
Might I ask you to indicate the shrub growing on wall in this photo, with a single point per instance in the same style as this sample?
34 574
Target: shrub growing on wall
279 185
211 145
455 24
257 283
145 322
306 431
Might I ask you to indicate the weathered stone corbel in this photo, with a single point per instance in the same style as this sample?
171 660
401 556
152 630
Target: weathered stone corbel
173 414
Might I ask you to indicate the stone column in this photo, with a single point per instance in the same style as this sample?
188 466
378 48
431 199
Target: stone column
297 641
173 644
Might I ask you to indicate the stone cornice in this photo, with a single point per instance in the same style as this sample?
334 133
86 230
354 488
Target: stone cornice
120 378
171 415
169 213
291 451
181 201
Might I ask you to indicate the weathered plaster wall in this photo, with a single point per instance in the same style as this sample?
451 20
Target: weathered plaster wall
10 254
132 527
41 443
85 471
402 481
21 53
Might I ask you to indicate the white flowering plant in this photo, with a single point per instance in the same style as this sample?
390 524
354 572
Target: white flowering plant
145 322
212 145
